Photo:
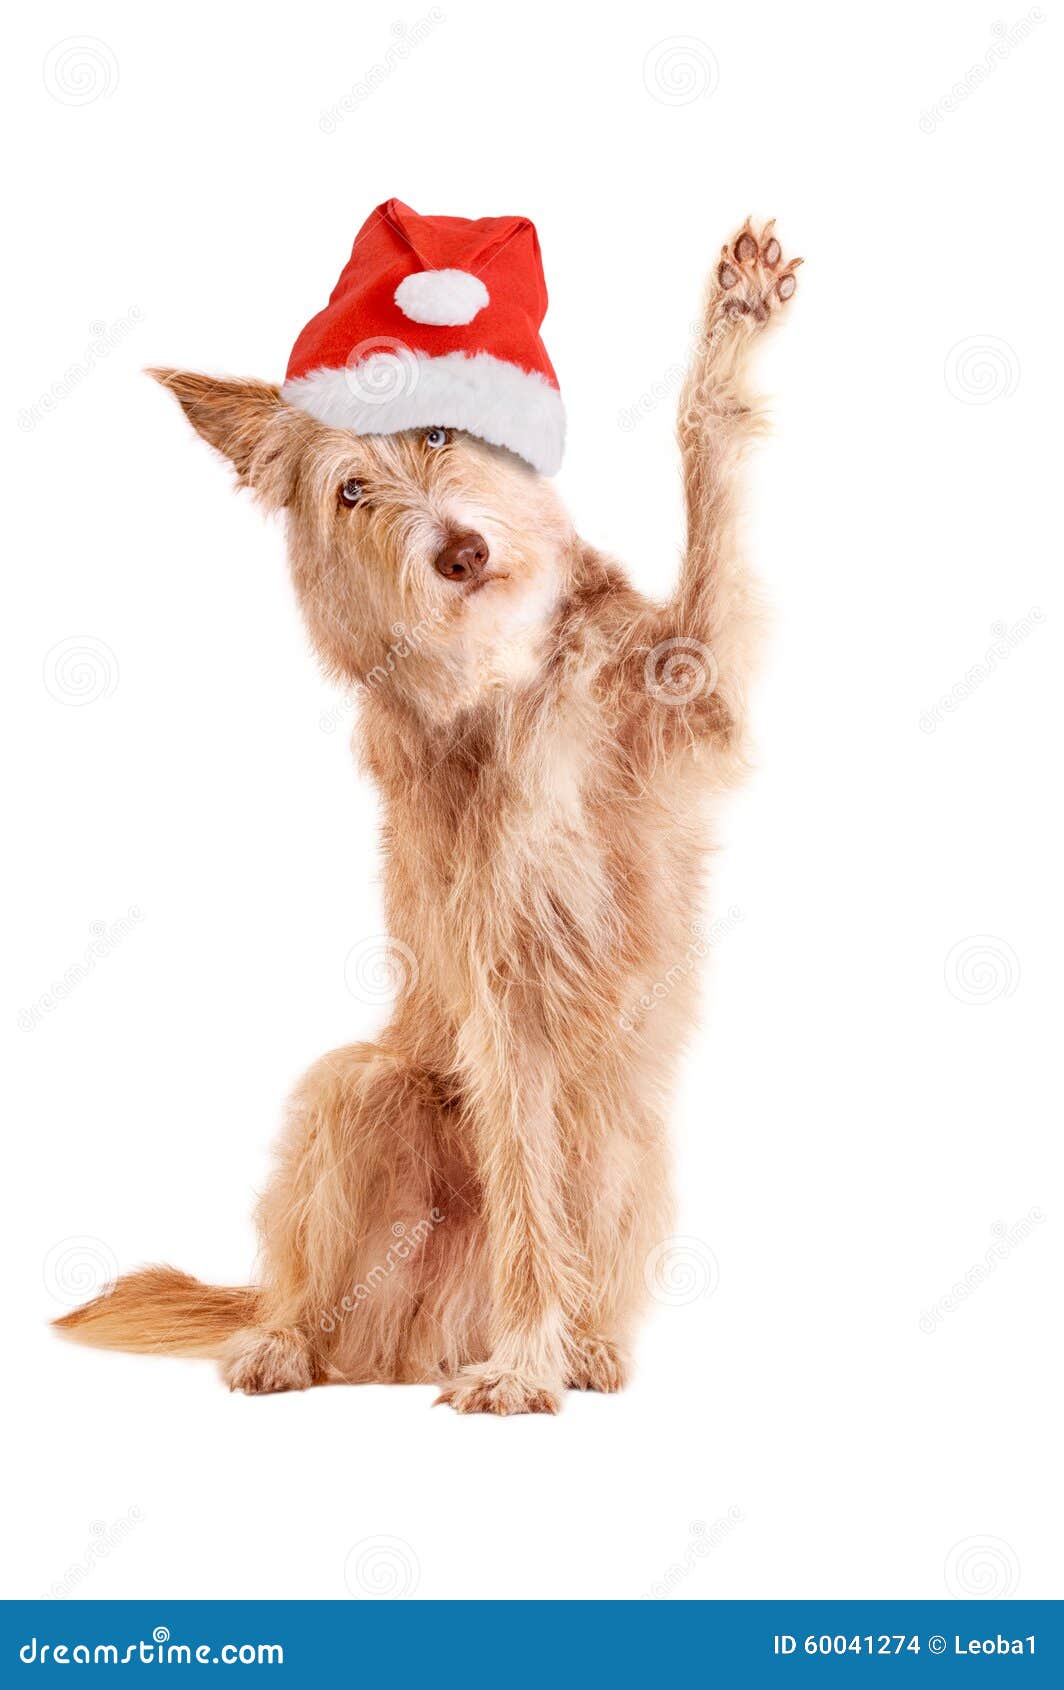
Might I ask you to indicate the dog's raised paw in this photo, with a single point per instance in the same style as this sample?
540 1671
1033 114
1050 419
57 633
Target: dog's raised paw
259 1361
752 277
490 1390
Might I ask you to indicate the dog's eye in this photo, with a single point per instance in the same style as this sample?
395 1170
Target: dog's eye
351 493
436 437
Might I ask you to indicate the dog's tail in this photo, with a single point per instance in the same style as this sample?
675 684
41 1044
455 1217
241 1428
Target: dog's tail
159 1311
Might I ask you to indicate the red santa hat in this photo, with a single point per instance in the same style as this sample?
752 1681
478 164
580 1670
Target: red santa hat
435 320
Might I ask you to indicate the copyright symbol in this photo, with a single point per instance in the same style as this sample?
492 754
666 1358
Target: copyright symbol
937 1645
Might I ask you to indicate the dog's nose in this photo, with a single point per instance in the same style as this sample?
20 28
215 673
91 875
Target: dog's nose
464 558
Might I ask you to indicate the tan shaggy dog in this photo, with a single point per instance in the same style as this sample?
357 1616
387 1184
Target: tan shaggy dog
473 1198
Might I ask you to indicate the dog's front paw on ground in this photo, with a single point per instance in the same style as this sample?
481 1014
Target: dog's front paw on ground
258 1361
597 1364
493 1390
753 278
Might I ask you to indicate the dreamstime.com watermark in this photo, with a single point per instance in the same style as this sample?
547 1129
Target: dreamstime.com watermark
79 70
1007 1240
982 1567
1008 38
1006 639
680 70
705 938
980 369
702 1542
80 670
981 968
103 1541
378 968
408 1241
78 1268
159 1651
391 60
679 1271
104 338
671 379
406 643
382 1569
105 940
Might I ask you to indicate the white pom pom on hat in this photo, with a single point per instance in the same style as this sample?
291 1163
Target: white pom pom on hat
443 297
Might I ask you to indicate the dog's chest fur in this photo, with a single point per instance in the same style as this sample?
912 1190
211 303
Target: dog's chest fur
520 860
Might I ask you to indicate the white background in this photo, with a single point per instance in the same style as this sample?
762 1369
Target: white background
874 1092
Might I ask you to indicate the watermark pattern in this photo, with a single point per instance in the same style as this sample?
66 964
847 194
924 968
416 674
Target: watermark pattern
659 390
980 369
77 1268
394 56
679 670
1008 38
700 946
679 70
79 70
408 1241
981 969
143 1653
407 642
80 670
382 369
702 1542
982 1567
1007 1239
705 340
1006 639
105 939
679 1271
379 967
104 338
103 1541
383 1568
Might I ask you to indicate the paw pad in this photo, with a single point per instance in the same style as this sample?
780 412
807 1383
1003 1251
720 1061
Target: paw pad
753 266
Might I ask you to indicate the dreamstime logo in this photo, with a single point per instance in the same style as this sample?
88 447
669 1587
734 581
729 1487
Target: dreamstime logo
680 69
407 1241
80 70
104 338
77 1268
103 1541
80 670
379 967
700 946
679 670
702 1542
680 1270
381 370
104 940
999 49
981 369
981 969
394 56
658 391
382 1568
982 1567
1006 639
1007 1239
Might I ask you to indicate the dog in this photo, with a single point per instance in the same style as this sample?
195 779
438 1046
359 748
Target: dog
473 1198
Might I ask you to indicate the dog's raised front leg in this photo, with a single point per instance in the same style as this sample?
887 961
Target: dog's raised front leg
705 635
509 1077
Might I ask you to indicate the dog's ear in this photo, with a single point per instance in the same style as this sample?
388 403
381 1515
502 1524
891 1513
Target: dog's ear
248 422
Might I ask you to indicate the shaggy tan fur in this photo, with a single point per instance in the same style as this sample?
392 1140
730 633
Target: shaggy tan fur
473 1198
